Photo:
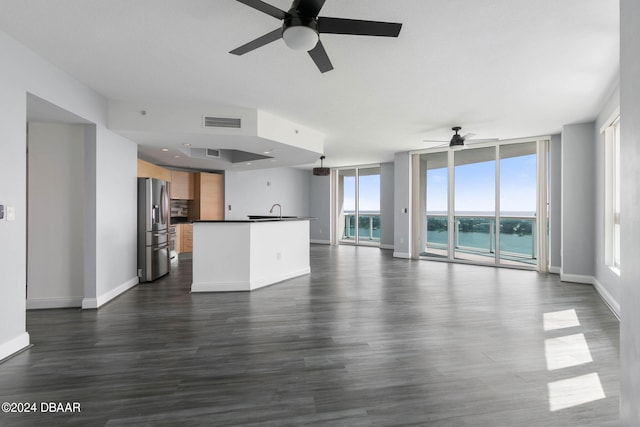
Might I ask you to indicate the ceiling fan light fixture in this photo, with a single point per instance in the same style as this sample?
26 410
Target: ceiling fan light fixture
300 37
457 141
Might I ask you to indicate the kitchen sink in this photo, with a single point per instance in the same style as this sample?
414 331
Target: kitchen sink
269 217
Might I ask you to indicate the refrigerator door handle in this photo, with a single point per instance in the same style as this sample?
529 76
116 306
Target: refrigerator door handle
161 247
164 205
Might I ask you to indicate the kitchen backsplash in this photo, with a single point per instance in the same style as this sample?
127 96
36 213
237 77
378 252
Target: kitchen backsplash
179 208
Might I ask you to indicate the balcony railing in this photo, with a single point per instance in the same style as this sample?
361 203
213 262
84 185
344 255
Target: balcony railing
368 226
476 235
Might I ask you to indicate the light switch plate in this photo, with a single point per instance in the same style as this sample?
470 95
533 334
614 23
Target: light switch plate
11 213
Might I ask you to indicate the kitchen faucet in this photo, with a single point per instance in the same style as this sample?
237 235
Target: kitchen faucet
278 205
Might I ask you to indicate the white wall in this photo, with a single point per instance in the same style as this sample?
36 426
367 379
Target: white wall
24 72
13 160
629 218
401 197
578 203
387 203
116 212
254 192
555 203
320 208
55 218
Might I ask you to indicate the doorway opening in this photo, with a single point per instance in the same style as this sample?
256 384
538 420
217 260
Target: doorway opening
358 206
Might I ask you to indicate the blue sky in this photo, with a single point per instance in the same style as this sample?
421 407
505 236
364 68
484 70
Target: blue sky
369 193
475 186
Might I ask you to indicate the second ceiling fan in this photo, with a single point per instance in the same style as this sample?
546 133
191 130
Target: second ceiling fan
302 26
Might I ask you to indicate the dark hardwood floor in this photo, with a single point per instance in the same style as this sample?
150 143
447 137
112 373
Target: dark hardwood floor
364 340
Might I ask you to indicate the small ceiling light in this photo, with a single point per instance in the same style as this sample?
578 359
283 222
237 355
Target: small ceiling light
321 171
165 149
300 37
248 164
186 144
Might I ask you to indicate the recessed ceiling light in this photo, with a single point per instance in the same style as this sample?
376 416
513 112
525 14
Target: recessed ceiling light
186 144
165 149
249 164
177 157
266 152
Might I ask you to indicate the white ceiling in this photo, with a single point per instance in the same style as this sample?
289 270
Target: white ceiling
499 68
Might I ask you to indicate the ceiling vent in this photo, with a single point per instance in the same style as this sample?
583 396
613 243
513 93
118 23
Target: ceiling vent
221 122
211 153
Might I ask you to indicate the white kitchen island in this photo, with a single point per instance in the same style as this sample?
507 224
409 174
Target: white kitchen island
248 254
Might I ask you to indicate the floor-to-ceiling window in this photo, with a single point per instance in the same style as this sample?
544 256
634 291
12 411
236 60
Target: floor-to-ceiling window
358 206
483 204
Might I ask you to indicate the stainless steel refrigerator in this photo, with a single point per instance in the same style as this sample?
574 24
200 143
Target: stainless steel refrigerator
153 228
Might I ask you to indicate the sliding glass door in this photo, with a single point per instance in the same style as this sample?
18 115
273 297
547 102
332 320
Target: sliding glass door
358 206
475 204
484 205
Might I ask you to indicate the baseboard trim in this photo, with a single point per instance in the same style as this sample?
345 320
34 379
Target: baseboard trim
246 285
404 255
320 242
94 303
54 302
14 346
614 305
554 269
608 299
387 246
576 278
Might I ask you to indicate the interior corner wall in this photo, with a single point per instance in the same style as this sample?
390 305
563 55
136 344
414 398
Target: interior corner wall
629 218
555 203
254 192
402 205
578 201
387 203
24 72
55 271
320 208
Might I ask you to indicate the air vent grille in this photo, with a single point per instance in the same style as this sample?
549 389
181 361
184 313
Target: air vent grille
210 152
221 122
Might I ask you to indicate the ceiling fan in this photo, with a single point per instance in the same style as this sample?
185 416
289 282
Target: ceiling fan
457 141
302 26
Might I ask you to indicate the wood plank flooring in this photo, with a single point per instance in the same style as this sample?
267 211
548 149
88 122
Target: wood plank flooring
364 340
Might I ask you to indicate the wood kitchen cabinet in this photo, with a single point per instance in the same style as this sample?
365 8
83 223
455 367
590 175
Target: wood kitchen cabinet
178 238
208 200
182 185
186 237
149 170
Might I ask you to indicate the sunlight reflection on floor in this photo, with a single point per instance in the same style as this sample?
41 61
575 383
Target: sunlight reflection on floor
565 352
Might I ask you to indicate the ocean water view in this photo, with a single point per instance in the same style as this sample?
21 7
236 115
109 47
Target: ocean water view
475 231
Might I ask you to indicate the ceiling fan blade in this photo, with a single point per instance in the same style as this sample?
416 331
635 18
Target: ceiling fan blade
469 135
358 27
308 8
320 57
265 8
259 42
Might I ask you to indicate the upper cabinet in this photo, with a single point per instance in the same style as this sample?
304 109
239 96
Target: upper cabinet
208 201
149 170
182 185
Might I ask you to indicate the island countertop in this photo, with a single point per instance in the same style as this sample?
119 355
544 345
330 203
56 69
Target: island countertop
244 255
263 219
